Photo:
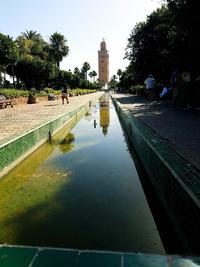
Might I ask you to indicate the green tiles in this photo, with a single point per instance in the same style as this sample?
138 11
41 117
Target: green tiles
142 260
16 257
49 257
95 259
176 182
12 149
54 257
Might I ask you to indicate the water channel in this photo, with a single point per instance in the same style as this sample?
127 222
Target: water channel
81 191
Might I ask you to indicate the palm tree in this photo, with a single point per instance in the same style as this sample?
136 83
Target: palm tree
119 73
94 74
59 49
77 71
85 68
90 74
32 44
31 35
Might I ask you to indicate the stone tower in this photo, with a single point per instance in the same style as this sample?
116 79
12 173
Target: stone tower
103 58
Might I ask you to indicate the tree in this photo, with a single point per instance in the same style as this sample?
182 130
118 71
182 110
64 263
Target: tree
119 73
113 81
35 72
31 43
8 52
186 38
150 46
94 74
77 71
58 48
84 70
90 74
31 35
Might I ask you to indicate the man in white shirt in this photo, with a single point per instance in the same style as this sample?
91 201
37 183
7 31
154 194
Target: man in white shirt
150 83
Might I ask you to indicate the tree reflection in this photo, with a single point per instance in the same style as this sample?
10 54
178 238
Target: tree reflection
66 145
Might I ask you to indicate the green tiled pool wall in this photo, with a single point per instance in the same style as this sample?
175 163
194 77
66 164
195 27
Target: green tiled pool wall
13 256
168 172
13 149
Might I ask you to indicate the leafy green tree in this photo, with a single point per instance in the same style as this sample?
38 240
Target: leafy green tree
8 53
186 38
113 81
150 45
8 50
35 72
58 48
127 78
169 38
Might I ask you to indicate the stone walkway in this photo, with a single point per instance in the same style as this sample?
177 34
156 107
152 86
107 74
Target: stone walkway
180 129
22 118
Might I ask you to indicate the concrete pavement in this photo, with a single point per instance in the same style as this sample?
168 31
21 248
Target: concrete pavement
179 129
22 118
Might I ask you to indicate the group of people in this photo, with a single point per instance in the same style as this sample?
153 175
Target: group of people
179 86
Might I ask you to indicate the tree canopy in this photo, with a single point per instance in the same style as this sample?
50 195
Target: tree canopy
8 50
169 38
35 62
58 47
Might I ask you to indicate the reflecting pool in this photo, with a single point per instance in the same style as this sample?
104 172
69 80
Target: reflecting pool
81 190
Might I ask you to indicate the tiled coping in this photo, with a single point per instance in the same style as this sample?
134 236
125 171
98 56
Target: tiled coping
176 182
16 149
22 256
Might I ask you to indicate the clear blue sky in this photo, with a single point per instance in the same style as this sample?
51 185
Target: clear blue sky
83 22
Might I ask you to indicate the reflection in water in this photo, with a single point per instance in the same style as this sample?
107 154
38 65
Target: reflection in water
66 144
104 113
27 191
95 123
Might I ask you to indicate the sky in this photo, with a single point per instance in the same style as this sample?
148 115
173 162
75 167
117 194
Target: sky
84 23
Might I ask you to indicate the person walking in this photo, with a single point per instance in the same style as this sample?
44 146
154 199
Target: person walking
175 81
64 94
150 84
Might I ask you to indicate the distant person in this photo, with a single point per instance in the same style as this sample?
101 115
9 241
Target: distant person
186 90
64 94
150 84
175 82
165 91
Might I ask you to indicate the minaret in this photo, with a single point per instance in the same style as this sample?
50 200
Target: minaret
103 64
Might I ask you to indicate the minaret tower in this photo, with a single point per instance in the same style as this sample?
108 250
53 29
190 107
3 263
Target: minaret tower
103 64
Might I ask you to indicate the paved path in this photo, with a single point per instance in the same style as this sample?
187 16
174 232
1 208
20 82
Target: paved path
179 129
22 118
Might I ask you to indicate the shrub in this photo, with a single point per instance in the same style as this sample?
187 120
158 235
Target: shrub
13 93
32 96
138 89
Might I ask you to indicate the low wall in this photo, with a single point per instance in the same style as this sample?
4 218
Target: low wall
176 182
23 100
12 152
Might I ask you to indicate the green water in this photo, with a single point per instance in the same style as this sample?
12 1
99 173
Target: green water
80 191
